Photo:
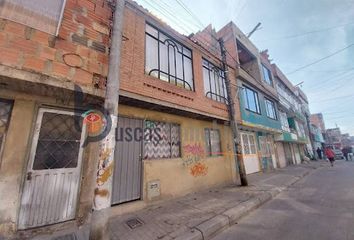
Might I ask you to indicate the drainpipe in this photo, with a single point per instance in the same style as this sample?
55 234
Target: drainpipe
231 107
103 188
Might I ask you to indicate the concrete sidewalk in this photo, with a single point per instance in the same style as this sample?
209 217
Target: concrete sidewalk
203 214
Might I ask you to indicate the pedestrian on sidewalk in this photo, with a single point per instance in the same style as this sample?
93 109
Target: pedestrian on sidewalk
319 153
330 155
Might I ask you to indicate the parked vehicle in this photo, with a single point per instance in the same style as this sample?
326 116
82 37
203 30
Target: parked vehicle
338 154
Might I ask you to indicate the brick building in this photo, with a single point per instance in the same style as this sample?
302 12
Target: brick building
169 83
173 135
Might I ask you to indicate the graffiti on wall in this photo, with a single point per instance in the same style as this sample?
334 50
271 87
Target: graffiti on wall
193 157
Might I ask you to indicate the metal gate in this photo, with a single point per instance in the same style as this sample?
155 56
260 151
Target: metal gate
128 156
53 174
288 154
249 150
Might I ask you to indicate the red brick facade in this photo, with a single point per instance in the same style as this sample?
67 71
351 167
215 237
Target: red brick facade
79 53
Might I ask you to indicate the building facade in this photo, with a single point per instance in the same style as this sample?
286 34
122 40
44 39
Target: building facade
291 143
173 119
258 101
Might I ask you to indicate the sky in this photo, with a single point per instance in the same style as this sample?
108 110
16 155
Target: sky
296 34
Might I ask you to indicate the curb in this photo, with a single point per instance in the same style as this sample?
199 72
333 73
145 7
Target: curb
210 228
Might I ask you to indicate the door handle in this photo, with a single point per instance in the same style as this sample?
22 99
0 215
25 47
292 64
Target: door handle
29 176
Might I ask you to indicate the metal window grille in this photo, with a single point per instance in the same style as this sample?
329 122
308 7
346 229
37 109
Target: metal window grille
5 113
214 82
212 142
161 140
58 143
167 59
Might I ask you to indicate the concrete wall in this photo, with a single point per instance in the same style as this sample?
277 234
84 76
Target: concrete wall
15 159
219 170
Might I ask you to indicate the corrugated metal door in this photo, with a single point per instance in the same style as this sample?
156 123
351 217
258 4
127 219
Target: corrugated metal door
53 175
127 166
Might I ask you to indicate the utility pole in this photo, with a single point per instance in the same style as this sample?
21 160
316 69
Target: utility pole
231 107
105 168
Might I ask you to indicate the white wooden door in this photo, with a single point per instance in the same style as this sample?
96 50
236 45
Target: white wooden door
249 151
53 174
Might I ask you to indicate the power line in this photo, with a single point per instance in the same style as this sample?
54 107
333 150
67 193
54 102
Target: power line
335 98
307 33
321 59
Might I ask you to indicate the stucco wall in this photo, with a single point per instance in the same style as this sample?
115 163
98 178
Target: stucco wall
175 175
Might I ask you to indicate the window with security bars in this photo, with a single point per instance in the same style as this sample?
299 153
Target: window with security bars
214 82
58 142
42 15
167 59
212 142
5 113
161 140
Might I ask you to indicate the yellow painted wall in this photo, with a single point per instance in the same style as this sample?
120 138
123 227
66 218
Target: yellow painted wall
175 175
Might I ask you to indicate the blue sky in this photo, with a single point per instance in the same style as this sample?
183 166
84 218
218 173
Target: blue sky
285 29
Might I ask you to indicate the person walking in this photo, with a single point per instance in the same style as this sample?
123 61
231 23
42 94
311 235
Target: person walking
330 155
319 153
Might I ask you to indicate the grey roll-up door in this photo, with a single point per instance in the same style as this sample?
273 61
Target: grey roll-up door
127 167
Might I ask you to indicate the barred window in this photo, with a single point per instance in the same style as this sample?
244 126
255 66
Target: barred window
161 140
212 142
214 82
42 15
5 112
167 59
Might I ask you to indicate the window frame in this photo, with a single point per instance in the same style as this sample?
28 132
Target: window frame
170 124
171 42
2 144
256 100
252 148
267 100
265 71
213 69
208 146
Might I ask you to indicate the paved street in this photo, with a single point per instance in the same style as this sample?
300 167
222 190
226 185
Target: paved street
320 206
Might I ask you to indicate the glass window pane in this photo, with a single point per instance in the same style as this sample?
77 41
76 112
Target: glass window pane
58 143
163 58
159 145
246 149
188 73
252 144
151 30
206 80
151 58
207 142
215 142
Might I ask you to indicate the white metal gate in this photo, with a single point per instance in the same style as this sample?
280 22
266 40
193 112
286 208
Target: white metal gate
53 174
249 150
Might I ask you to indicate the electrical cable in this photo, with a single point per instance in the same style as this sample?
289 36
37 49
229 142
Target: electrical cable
321 59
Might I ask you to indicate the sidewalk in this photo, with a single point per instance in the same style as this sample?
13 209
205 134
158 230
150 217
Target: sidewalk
201 215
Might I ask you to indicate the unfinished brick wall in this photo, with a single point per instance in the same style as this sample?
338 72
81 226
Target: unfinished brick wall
134 79
79 53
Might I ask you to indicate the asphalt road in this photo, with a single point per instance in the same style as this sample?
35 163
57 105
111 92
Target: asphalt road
320 206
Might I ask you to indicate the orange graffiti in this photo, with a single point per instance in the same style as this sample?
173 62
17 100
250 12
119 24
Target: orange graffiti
199 169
